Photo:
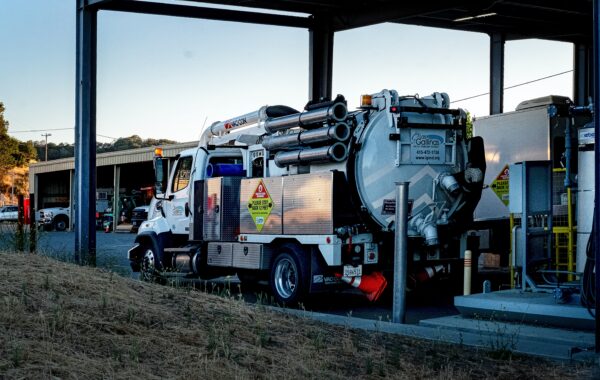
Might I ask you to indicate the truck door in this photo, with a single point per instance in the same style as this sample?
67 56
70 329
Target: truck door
174 205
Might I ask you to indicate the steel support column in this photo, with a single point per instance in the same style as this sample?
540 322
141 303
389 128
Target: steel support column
496 73
116 195
581 74
596 229
320 58
400 253
85 134
71 199
36 191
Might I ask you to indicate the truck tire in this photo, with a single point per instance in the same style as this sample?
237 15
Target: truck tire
151 264
60 223
289 279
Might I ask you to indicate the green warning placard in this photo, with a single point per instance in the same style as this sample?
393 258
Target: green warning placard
500 185
260 205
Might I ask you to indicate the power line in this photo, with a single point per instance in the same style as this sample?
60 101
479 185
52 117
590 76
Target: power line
41 130
58 129
108 137
516 85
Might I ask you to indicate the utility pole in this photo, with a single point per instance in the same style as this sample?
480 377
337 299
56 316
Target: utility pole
12 192
46 136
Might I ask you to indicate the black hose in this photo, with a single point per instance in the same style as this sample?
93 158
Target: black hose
588 286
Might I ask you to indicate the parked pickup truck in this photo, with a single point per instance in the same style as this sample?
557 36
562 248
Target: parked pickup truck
138 215
54 218
9 213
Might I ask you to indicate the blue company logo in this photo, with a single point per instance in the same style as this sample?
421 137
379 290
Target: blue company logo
427 140
587 135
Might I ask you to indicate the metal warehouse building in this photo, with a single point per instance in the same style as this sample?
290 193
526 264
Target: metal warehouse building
125 172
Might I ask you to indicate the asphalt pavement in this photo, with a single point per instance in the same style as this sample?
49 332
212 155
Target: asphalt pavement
111 248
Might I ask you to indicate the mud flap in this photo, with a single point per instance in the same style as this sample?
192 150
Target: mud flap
322 278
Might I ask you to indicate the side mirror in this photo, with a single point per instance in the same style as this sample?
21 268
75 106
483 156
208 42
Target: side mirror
159 207
161 175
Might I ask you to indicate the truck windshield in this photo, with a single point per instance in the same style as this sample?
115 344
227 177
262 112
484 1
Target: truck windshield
181 179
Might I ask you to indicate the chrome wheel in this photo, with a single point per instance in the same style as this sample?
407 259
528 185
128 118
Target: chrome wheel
286 277
148 270
60 225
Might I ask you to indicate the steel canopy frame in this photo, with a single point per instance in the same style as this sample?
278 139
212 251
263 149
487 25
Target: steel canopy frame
320 63
85 134
596 229
328 17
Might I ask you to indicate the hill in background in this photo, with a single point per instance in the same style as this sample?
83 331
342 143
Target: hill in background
16 155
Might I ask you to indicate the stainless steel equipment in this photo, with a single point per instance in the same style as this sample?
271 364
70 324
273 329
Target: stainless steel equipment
535 131
220 254
336 112
337 132
252 256
585 192
336 152
221 214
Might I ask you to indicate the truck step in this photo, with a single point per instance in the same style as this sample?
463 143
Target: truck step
180 250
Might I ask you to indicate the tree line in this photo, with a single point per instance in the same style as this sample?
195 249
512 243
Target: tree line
15 153
65 150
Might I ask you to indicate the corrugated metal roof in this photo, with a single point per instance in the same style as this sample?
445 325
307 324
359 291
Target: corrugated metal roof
112 158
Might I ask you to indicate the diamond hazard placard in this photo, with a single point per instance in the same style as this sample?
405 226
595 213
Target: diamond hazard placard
500 185
260 205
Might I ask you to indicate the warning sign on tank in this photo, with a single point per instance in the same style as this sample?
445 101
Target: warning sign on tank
260 205
500 185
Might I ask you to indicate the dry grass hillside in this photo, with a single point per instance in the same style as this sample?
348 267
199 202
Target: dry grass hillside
58 320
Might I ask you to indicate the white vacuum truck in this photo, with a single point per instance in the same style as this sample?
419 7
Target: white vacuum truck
306 200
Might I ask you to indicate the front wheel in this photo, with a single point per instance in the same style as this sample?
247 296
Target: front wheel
290 272
151 264
61 223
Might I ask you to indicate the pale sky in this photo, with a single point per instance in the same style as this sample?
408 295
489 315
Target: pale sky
165 77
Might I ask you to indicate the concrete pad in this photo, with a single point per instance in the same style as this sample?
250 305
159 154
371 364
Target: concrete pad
490 335
531 307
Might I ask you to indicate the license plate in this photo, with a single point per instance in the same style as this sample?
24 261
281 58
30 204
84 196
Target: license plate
350 271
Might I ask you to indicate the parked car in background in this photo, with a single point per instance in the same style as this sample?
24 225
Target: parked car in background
9 213
54 218
138 215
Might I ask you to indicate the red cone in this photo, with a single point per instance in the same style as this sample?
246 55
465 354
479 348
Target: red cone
372 285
